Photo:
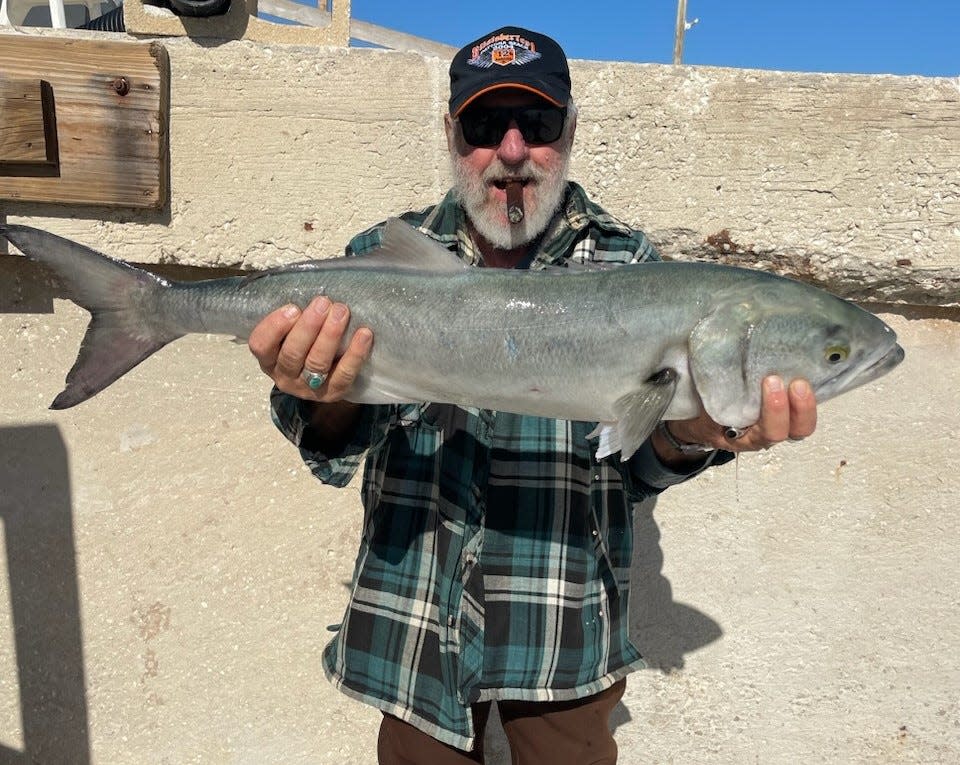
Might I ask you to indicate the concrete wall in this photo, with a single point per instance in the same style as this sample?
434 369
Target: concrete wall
172 568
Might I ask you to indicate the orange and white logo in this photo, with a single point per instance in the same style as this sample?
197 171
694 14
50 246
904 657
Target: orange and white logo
503 50
503 56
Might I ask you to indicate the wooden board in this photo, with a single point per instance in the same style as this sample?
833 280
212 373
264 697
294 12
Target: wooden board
110 101
28 129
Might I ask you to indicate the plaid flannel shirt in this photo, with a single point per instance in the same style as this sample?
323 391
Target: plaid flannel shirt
495 554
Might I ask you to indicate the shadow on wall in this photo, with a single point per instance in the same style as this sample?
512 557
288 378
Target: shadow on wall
36 511
662 629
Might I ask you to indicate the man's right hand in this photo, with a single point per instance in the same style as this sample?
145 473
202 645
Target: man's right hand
289 340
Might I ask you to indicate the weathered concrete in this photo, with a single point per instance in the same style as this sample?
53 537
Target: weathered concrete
281 153
173 569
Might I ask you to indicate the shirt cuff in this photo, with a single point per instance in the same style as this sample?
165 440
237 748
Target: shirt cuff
293 418
646 467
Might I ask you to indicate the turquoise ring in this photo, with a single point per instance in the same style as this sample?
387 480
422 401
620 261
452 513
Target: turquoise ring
313 379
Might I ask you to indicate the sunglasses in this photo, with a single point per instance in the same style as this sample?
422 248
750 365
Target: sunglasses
486 126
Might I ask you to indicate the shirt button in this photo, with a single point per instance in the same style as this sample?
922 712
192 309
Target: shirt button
469 559
596 477
451 620
600 613
594 532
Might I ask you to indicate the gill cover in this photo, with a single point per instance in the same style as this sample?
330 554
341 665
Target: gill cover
719 349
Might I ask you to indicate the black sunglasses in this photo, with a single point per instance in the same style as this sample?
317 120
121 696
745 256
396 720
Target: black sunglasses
486 126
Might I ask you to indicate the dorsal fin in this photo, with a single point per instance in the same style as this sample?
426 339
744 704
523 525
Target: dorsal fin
402 246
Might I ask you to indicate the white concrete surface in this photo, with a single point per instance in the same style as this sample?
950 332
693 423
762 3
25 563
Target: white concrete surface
172 570
798 607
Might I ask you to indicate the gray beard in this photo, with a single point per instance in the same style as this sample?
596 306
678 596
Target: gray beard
489 218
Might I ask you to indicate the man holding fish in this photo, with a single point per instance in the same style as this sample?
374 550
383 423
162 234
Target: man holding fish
495 558
497 536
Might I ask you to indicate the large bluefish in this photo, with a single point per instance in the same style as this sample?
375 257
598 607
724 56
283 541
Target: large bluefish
625 346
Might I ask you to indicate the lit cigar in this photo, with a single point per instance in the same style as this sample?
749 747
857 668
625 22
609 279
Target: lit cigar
514 201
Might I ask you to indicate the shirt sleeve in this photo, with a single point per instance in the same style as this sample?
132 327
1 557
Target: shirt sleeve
292 416
646 475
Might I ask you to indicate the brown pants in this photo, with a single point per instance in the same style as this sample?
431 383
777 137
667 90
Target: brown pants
558 732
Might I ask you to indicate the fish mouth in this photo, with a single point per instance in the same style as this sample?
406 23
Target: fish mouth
881 366
888 361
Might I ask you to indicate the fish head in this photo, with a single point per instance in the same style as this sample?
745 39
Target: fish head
837 348
794 331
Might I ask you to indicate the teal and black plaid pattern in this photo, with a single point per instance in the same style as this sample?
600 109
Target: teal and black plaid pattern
495 555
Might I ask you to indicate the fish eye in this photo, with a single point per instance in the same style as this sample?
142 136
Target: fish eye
834 354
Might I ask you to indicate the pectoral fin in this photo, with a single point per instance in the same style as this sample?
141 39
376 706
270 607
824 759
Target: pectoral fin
638 413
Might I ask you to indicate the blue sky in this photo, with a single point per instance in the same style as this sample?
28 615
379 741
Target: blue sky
864 36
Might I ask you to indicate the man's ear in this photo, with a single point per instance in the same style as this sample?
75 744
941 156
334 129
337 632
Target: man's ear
451 131
572 130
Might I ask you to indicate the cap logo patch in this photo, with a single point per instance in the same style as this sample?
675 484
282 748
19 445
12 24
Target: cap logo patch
503 50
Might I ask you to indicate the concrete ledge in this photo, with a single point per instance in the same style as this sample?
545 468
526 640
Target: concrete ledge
239 22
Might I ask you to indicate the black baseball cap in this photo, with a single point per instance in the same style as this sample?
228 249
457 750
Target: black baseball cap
510 57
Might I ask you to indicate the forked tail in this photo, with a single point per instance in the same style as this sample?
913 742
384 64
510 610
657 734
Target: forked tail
118 296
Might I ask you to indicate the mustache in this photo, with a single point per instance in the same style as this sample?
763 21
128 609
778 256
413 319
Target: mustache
498 171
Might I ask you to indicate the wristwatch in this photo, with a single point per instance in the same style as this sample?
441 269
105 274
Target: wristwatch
681 446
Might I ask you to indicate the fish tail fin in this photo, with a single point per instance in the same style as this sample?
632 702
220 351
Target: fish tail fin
122 332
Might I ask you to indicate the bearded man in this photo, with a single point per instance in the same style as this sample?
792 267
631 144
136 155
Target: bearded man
495 555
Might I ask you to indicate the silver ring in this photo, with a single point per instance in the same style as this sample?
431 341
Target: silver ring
733 434
313 379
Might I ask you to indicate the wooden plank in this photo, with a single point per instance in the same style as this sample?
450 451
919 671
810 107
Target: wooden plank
390 38
28 129
111 105
21 130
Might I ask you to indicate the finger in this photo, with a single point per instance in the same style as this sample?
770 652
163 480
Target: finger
348 367
774 423
267 337
803 409
300 339
326 343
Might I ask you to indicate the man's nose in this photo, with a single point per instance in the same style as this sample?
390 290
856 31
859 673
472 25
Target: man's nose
512 149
